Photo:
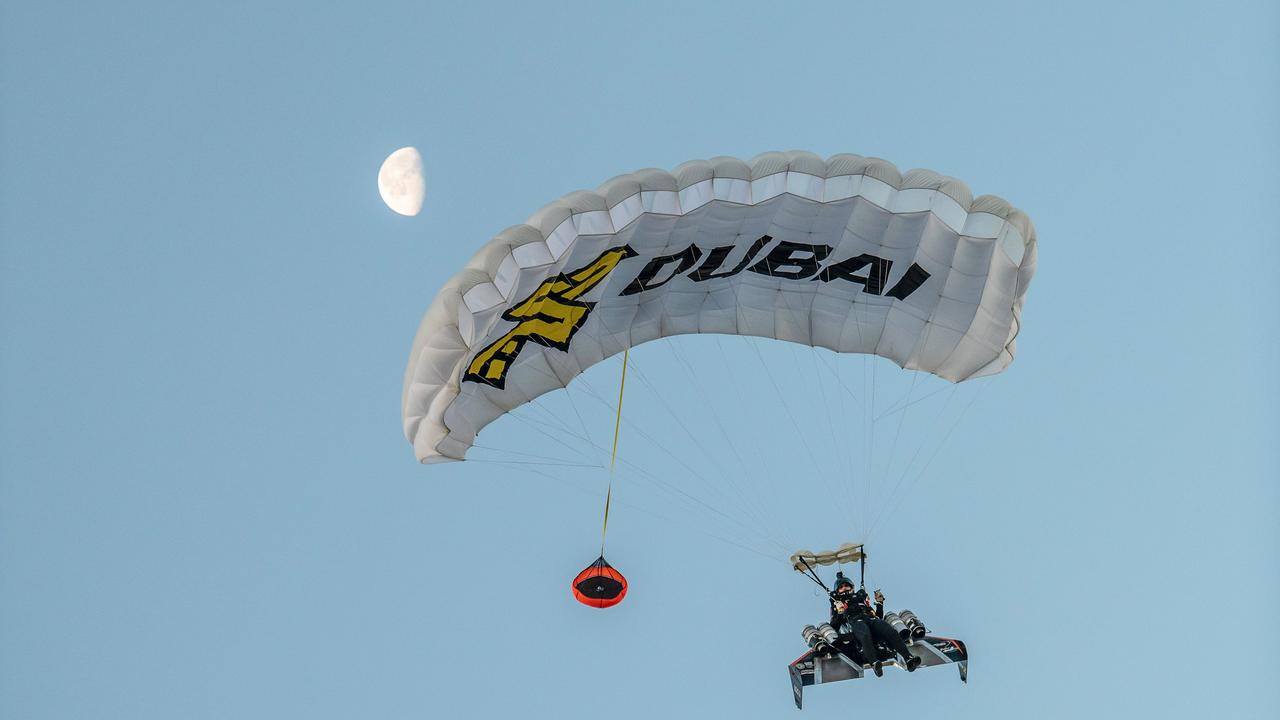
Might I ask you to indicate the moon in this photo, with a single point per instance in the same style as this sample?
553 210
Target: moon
400 181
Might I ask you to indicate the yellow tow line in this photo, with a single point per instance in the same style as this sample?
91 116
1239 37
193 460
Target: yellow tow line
617 425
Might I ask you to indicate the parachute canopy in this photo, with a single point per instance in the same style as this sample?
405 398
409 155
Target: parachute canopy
847 253
846 553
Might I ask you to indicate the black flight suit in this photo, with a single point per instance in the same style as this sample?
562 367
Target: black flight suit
855 635
866 626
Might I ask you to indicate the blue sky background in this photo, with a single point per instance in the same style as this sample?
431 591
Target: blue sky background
207 507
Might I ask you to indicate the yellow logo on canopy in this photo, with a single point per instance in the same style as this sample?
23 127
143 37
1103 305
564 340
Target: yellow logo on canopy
550 316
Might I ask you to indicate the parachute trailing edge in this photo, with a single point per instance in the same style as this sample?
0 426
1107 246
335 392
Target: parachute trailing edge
845 253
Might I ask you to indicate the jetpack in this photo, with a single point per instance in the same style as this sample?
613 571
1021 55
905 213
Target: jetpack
825 662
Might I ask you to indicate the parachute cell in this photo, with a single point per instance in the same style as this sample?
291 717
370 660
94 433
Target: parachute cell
846 254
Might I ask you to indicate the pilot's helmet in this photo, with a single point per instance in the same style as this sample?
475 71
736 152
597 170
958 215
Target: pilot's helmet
843 584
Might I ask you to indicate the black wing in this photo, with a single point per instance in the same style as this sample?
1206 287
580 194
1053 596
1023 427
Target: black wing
814 669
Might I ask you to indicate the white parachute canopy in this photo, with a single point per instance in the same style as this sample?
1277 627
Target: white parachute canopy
846 553
847 253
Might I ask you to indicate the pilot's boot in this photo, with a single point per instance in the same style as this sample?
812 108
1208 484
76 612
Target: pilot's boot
878 668
913 662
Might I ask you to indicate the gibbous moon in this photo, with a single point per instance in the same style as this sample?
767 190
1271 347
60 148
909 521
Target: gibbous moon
400 181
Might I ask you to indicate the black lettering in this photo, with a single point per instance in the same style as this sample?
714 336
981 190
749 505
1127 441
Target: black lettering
872 283
804 258
707 270
912 279
644 281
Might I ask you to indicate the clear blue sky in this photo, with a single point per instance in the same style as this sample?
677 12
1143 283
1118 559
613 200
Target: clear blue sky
207 507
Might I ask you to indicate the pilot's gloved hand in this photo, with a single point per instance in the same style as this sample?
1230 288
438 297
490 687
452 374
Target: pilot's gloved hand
879 596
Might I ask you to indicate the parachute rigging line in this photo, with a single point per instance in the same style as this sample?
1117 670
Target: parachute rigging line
613 458
658 482
813 575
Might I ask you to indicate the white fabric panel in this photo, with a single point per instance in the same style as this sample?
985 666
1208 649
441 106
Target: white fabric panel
660 201
770 186
482 297
788 246
561 239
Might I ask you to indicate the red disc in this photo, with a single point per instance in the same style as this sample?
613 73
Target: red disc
599 585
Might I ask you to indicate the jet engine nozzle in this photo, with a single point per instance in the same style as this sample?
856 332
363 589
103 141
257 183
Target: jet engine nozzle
913 624
900 627
811 636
